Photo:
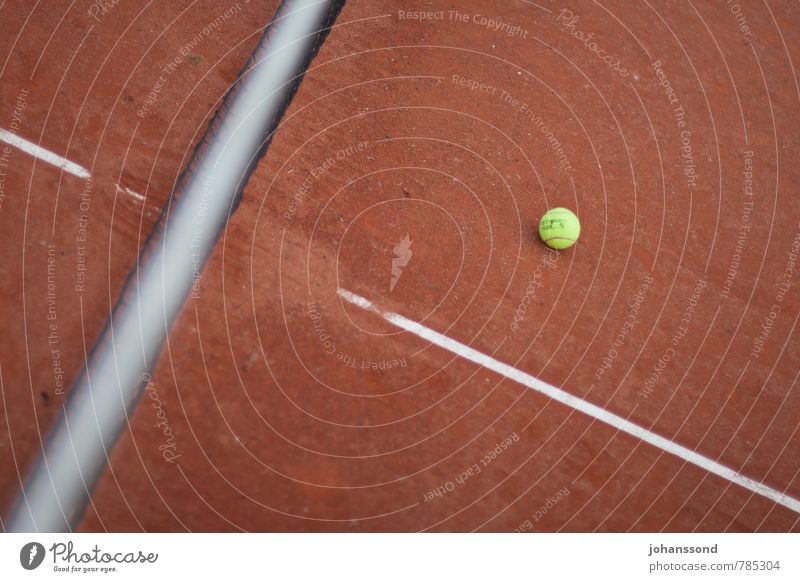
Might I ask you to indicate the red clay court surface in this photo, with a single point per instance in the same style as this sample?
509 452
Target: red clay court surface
278 405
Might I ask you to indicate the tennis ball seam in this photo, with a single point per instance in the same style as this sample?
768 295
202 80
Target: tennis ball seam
559 228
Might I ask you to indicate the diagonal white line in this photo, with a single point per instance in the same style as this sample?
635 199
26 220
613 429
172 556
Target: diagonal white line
43 154
131 193
574 402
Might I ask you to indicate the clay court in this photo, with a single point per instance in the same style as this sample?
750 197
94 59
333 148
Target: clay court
376 341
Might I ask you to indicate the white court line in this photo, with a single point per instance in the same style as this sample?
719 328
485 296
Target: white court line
56 160
43 154
129 192
575 403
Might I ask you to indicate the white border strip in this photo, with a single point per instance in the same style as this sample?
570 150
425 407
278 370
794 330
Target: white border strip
574 402
43 154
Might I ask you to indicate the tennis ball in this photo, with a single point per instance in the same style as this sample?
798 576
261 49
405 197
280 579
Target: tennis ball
559 228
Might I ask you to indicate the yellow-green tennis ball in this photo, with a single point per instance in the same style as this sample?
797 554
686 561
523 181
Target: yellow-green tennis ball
559 228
